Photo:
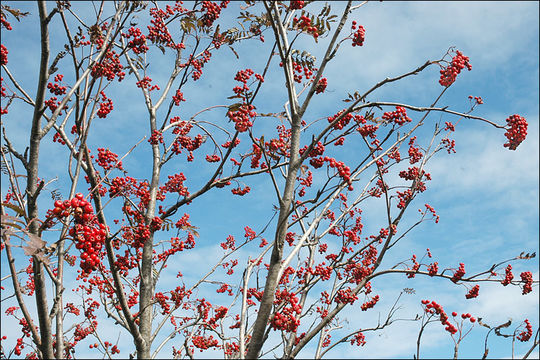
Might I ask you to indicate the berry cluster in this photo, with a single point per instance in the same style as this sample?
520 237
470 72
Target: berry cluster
212 158
517 132
370 304
345 296
202 342
105 107
434 308
527 334
3 55
212 11
459 273
304 24
509 276
286 319
433 269
450 73
321 86
241 192
477 99
109 67
88 234
473 292
138 44
359 35
296 4
108 160
399 116
52 104
156 137
144 83
179 97
527 278
55 88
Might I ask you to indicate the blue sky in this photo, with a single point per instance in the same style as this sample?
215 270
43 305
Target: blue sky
487 197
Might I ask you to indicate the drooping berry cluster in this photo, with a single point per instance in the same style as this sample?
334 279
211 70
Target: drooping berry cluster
371 303
105 107
450 73
509 276
359 35
88 234
473 292
517 132
527 278
3 55
527 334
435 308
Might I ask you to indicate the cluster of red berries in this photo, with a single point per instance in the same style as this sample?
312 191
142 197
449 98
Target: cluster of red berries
449 126
321 86
296 4
526 277
242 117
88 234
509 276
175 184
415 154
212 158
433 269
105 107
108 160
156 137
52 104
138 44
370 304
144 83
399 116
449 145
434 308
110 67
477 99
450 73
212 11
526 335
359 339
286 319
241 192
3 55
404 197
459 273
473 292
304 24
58 138
178 97
359 35
55 88
202 342
517 132
345 296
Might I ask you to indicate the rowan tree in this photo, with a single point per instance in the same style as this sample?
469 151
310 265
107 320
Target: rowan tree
99 252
